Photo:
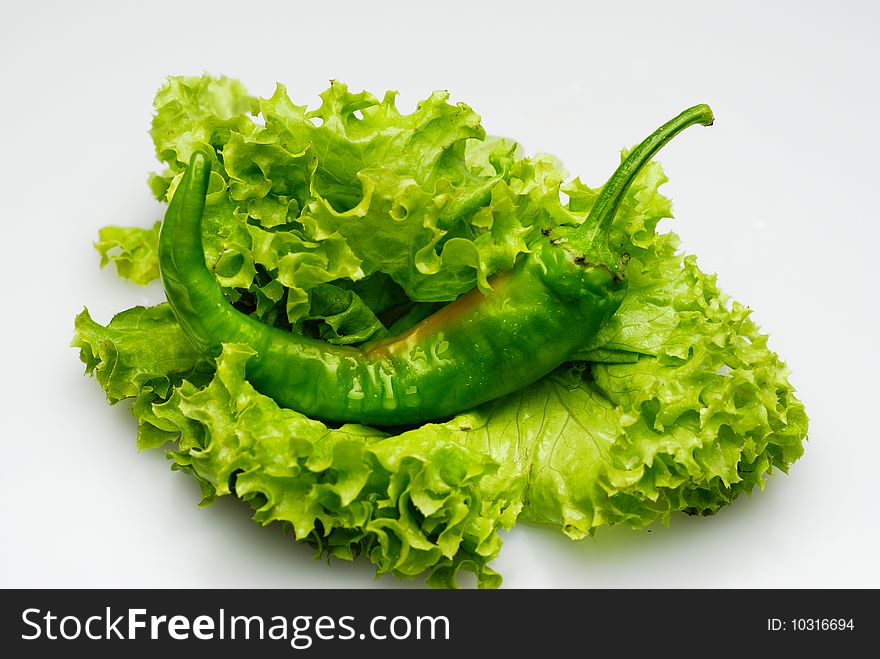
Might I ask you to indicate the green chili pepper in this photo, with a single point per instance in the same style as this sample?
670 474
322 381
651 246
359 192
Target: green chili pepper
475 349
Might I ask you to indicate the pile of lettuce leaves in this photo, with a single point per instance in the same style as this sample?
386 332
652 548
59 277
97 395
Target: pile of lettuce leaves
348 222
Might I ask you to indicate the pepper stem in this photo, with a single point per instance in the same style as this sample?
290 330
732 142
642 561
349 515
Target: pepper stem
603 211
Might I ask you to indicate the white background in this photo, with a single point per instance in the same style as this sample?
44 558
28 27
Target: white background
779 198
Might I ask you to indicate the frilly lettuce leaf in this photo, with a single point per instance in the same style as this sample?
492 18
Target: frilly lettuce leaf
141 347
133 250
197 111
351 132
631 443
302 198
346 318
410 503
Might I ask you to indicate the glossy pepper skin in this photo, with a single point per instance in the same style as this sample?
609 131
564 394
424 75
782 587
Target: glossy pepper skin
476 349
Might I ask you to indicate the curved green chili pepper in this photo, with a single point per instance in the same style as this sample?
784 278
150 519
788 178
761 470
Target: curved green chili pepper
477 348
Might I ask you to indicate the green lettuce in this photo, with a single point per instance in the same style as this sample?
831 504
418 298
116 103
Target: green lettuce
351 222
133 250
